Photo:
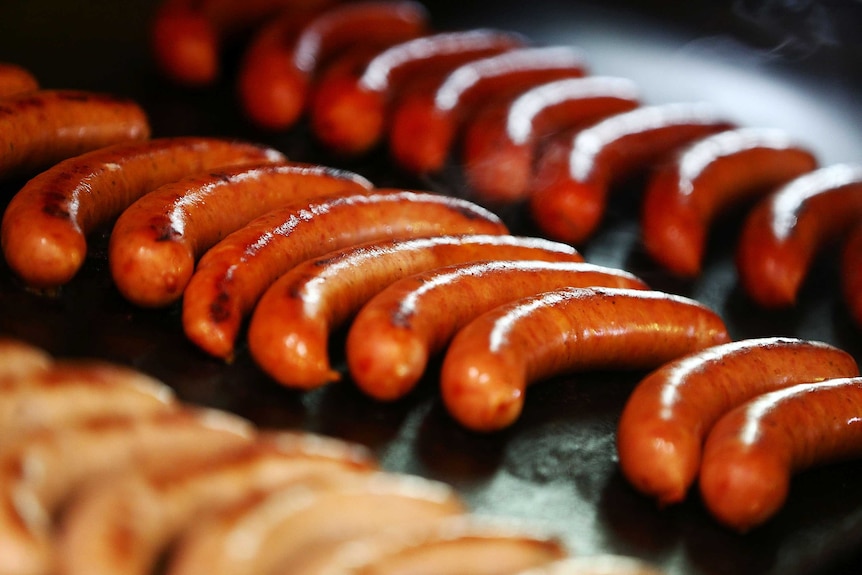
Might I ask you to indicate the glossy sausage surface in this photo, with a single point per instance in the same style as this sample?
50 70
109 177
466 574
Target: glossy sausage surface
669 414
234 273
493 359
157 240
45 227
290 328
719 171
395 334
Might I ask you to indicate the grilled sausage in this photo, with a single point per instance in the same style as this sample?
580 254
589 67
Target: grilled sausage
350 113
399 329
281 63
668 415
752 451
569 192
785 231
157 240
491 361
16 80
45 227
41 128
721 170
439 113
289 330
501 142
232 275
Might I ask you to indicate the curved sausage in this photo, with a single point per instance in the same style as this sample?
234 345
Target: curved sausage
289 331
851 274
69 456
349 114
721 170
146 511
439 113
16 80
399 329
282 60
157 240
45 227
284 527
784 232
187 36
19 359
501 142
41 128
752 452
491 361
569 191
234 273
668 415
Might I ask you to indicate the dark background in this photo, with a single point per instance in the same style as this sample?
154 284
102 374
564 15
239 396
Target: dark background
792 65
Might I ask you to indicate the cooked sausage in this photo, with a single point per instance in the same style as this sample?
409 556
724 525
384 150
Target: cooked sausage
45 227
146 511
596 565
281 529
438 113
399 329
787 229
501 142
19 359
41 128
491 361
668 415
752 451
16 80
851 274
350 113
281 62
569 191
157 240
41 470
719 171
233 274
289 331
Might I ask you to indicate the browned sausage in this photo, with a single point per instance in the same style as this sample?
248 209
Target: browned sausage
16 80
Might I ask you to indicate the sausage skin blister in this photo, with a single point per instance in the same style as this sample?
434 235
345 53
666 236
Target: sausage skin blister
439 113
706 178
670 412
16 80
753 451
234 273
157 240
291 324
491 361
45 226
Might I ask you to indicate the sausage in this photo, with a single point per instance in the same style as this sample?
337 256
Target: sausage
569 192
783 233
439 113
69 456
668 415
156 241
284 527
73 390
187 36
752 452
491 361
706 178
234 273
146 511
457 545
501 142
851 274
595 565
350 114
19 359
399 329
16 80
282 60
46 225
289 330
41 128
